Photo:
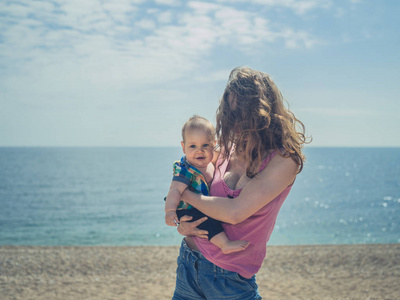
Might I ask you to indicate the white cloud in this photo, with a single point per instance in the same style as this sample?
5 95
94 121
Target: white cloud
121 11
203 7
303 7
298 6
13 10
168 2
165 17
146 24
75 47
298 39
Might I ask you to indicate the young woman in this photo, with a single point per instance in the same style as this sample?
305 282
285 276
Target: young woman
260 142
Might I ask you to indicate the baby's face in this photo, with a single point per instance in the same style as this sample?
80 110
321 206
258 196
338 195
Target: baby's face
198 148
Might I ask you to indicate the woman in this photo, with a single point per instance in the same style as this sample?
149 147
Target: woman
260 142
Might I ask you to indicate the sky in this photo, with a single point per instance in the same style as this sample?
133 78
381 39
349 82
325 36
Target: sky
131 72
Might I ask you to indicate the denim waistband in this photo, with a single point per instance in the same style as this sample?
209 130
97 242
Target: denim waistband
186 251
191 256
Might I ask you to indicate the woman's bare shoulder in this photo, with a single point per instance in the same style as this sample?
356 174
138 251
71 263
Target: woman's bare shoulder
280 163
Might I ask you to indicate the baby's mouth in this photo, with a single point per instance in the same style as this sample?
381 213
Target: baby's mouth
200 158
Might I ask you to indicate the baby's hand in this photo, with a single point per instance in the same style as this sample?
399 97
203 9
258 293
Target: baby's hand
171 219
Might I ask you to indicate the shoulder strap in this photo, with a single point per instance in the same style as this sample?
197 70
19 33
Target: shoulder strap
267 160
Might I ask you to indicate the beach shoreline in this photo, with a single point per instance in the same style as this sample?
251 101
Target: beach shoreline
369 271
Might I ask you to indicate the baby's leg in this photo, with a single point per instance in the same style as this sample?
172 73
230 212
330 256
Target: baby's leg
216 233
227 246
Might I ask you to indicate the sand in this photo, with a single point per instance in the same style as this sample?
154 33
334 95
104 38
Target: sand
289 272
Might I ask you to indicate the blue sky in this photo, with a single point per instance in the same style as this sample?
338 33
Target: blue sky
129 73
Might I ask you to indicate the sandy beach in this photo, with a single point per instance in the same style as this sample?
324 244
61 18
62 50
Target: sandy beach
289 272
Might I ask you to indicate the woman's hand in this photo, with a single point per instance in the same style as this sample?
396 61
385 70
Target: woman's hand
190 228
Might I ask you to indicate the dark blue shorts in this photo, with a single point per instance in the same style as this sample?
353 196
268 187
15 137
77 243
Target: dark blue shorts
211 225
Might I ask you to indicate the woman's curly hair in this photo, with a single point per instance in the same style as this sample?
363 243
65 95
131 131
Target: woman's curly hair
253 119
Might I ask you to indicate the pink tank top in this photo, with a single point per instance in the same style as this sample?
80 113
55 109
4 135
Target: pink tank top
256 229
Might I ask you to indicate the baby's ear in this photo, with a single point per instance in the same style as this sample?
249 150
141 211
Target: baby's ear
183 147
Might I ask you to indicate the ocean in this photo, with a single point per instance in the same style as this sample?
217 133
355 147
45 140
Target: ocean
114 196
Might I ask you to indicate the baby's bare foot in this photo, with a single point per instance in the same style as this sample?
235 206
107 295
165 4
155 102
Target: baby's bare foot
234 246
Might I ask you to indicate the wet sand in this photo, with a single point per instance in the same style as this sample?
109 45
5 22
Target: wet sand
148 273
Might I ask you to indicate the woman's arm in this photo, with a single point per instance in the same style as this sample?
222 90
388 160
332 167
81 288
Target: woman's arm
258 192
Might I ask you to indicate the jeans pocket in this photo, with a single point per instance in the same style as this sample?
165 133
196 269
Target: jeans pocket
251 282
238 284
181 286
181 272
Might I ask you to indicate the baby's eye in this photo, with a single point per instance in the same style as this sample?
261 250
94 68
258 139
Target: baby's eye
192 146
206 145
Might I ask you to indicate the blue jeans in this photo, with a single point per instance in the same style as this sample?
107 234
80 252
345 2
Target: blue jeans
197 278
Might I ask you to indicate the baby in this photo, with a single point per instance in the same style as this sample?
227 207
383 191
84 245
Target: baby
195 171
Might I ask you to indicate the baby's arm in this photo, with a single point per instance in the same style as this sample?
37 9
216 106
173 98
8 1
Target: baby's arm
171 204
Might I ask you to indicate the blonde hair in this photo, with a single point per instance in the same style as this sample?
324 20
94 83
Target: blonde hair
199 123
252 117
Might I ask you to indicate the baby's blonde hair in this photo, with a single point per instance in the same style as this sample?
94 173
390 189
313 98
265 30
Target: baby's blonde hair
199 123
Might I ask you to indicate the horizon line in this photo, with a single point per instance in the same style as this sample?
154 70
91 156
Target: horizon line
169 146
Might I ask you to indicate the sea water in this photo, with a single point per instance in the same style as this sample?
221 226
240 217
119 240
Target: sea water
114 196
